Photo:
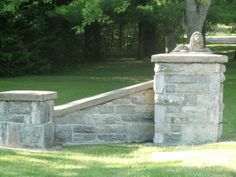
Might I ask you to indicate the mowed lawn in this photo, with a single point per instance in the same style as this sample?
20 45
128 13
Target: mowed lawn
120 160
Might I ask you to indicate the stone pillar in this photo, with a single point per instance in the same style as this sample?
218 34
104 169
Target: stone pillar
26 119
188 98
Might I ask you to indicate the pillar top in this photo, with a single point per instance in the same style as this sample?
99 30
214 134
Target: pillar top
190 57
27 95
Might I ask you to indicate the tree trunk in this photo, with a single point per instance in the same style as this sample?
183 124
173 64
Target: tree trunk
171 41
146 40
195 15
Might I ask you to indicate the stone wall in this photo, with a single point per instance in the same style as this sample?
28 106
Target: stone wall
124 115
26 119
188 98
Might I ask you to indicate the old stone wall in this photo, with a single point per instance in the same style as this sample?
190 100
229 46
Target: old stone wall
125 115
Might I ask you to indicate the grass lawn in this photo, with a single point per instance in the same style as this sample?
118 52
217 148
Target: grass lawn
123 160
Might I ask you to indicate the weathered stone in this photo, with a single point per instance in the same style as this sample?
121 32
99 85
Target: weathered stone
19 118
3 133
139 132
191 88
168 99
180 78
31 136
48 135
208 99
103 109
125 109
174 108
144 108
145 117
19 107
170 89
162 128
175 128
164 67
89 128
102 119
3 107
158 138
71 118
159 83
172 139
117 129
180 120
160 112
124 100
63 133
194 109
190 99
83 138
111 138
42 112
199 134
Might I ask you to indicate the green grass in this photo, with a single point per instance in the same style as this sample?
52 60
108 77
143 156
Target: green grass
86 80
122 160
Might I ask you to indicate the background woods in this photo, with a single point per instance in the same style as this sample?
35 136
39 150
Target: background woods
50 35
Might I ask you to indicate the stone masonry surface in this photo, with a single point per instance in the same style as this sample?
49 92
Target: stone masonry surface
128 118
26 119
188 98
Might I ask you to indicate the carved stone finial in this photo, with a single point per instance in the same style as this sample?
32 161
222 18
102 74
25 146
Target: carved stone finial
196 44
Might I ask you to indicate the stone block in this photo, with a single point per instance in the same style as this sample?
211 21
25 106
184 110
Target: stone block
159 83
63 133
144 108
169 99
175 119
199 134
3 107
158 138
17 107
191 88
31 136
104 109
116 129
162 128
180 78
13 133
164 67
83 138
175 128
160 113
123 100
19 118
71 118
139 132
42 112
170 89
172 139
174 109
125 109
3 133
194 109
111 138
48 135
208 99
103 119
144 117
89 129
190 99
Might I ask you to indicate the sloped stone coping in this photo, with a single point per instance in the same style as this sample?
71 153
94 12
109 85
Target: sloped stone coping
27 95
101 98
191 57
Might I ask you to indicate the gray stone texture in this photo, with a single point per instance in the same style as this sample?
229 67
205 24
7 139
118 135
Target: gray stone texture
26 119
125 119
188 98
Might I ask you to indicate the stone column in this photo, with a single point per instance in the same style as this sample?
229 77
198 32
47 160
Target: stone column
188 98
26 119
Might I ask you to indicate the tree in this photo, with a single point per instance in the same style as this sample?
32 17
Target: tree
195 15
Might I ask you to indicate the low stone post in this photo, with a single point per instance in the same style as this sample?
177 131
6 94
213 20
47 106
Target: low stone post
26 119
188 97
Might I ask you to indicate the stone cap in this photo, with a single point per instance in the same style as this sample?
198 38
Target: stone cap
27 95
191 57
